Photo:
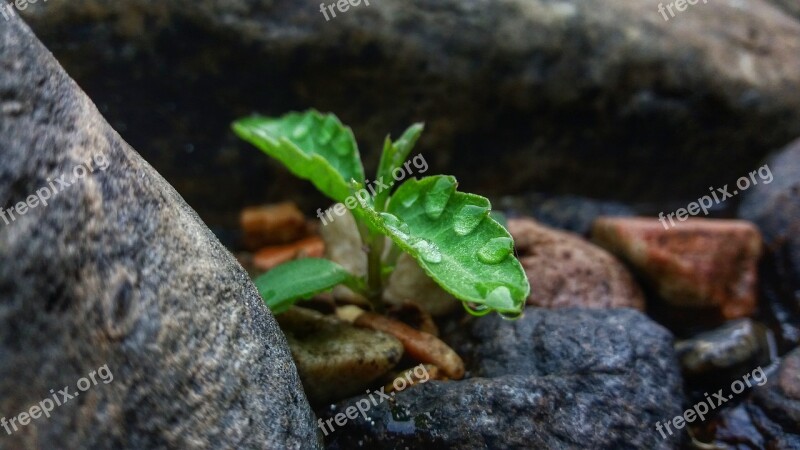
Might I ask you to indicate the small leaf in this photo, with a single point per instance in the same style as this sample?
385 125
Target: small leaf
455 241
311 145
287 283
393 157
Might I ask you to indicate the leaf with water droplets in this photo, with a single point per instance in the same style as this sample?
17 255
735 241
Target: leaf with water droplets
313 146
393 156
459 246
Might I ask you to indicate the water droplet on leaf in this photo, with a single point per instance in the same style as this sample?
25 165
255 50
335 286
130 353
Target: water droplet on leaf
410 200
437 197
325 135
496 250
342 145
468 218
500 298
511 316
476 309
300 131
428 251
396 225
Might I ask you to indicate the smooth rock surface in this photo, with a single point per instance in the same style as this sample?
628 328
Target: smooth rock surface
538 95
699 263
739 344
117 270
334 358
567 378
567 271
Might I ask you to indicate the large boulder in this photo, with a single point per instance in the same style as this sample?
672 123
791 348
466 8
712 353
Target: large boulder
113 291
556 95
775 208
567 378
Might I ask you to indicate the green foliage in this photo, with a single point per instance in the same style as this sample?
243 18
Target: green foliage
313 146
451 234
303 278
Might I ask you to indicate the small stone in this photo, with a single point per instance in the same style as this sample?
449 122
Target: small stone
334 358
736 344
269 257
280 223
567 271
699 263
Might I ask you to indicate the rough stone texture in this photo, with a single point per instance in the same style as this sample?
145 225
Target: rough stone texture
771 417
117 270
567 271
775 208
567 379
699 263
334 358
548 95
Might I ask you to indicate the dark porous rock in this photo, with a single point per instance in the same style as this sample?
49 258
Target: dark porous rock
117 277
775 209
571 378
771 416
740 344
612 101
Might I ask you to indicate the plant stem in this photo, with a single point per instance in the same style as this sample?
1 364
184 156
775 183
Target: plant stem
374 273
373 244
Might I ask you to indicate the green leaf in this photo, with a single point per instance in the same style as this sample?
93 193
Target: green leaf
311 145
455 241
287 283
393 156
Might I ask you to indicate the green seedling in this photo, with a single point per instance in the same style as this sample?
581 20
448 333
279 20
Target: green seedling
449 233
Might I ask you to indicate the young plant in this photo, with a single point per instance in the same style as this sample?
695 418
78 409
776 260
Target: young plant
449 233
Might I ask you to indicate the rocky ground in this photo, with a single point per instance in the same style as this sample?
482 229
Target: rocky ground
544 105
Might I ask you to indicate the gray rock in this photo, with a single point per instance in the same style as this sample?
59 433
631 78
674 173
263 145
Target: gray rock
518 95
737 344
569 378
116 271
775 209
